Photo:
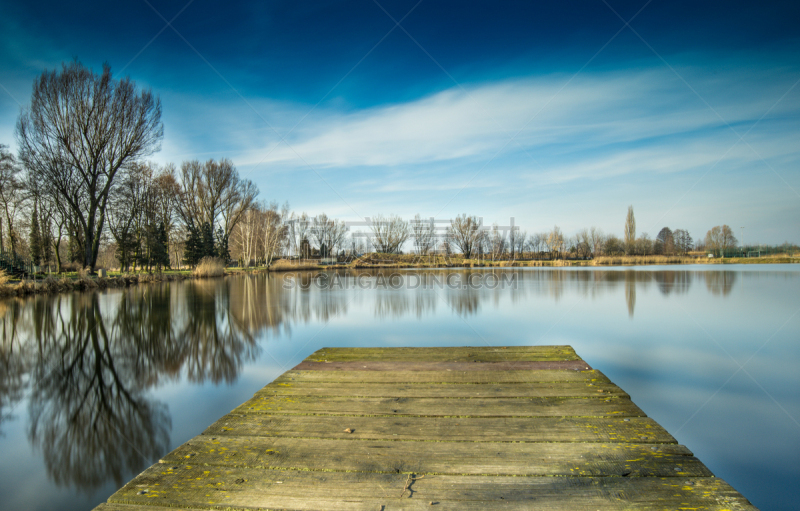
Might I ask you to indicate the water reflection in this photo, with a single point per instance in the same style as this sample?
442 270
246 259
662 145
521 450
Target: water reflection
720 282
87 363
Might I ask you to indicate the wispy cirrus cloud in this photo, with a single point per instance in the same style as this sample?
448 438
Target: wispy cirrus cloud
527 115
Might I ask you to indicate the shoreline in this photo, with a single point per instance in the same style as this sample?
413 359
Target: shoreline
64 284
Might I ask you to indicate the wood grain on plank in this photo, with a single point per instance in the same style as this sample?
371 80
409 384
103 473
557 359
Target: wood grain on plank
190 486
443 407
455 458
456 390
438 354
444 377
476 429
472 365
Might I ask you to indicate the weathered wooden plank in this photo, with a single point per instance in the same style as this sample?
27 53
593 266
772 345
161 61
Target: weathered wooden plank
538 389
450 354
191 486
453 458
476 429
424 365
445 377
443 407
358 429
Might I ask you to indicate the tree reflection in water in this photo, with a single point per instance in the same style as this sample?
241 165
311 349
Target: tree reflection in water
720 282
13 366
87 409
89 360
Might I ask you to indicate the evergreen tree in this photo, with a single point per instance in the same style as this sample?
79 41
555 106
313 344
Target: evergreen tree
193 250
207 238
222 246
36 237
126 246
156 246
163 241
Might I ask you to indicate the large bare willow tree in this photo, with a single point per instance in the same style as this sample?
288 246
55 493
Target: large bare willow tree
79 133
212 192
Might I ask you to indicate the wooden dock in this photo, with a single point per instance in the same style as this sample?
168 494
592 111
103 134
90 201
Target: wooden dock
532 427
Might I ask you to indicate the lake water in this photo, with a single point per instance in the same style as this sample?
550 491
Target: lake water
95 387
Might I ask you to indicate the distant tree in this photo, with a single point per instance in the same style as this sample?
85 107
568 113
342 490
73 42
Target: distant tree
389 233
305 249
466 232
520 240
424 234
644 245
596 240
299 230
80 131
536 242
275 231
496 244
613 246
555 242
630 231
720 239
665 242
329 232
683 241
582 244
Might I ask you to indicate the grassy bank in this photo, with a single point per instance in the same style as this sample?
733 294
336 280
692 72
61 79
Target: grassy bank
63 284
410 261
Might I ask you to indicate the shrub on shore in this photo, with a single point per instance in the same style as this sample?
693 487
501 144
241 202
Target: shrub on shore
209 267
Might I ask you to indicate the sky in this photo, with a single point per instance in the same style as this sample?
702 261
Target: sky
550 113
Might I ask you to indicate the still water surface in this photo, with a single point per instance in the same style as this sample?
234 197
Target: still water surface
95 387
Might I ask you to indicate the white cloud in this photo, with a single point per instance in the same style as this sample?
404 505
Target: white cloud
541 116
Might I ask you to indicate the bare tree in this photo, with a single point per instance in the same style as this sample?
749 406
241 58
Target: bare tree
79 132
389 234
555 241
537 241
582 243
466 232
720 239
596 240
496 243
520 239
125 210
213 193
299 226
424 234
275 231
246 235
328 233
683 241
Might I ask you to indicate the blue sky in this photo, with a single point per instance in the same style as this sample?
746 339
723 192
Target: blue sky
548 112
